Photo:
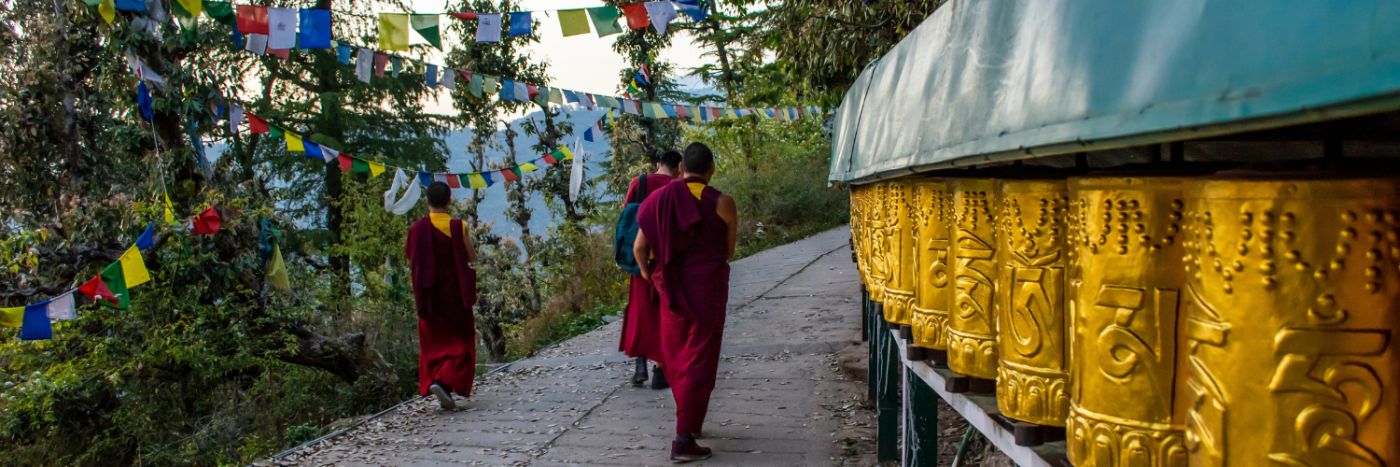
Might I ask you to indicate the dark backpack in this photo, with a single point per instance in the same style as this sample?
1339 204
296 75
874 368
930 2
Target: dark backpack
626 232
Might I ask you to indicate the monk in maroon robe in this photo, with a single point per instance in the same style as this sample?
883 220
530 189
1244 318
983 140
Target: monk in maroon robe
687 229
641 323
444 289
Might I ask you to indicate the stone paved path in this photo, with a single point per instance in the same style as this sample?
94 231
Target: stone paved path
782 397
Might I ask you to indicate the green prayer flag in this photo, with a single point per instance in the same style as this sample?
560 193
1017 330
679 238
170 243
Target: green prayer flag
542 98
489 84
573 22
221 12
359 166
115 279
274 132
605 20
556 96
648 111
516 170
92 2
427 26
475 85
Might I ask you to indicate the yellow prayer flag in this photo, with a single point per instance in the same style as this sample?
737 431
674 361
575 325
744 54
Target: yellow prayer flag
194 7
393 31
169 210
134 268
573 22
108 10
568 155
477 181
277 270
528 167
12 317
294 142
375 168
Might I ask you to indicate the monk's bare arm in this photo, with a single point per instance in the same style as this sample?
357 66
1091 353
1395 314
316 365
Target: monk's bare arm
642 251
728 211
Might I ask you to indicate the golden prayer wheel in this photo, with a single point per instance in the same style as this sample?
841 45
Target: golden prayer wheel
971 336
899 230
1125 289
1029 304
932 210
858 233
873 220
1292 308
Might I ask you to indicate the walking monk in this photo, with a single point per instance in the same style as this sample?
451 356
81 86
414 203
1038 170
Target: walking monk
641 324
444 289
688 230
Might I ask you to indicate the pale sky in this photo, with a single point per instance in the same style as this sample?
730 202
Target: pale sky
584 62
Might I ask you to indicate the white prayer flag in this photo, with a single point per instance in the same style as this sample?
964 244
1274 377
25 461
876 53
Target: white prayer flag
488 27
522 92
661 14
411 193
449 79
281 28
61 308
364 64
235 118
330 154
257 43
576 173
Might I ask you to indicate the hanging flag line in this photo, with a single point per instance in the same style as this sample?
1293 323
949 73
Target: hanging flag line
394 27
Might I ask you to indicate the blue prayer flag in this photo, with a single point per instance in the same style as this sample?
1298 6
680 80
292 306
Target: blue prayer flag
520 24
425 178
315 29
570 97
143 100
131 5
507 90
147 238
343 53
692 8
36 325
431 75
588 135
313 151
487 176
238 43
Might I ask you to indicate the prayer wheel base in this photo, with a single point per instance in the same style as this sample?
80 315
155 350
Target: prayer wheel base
936 357
1029 434
968 384
906 332
913 353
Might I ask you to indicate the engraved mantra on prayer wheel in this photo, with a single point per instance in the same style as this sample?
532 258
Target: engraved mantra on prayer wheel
899 229
858 234
932 211
1292 304
873 221
971 335
1033 375
1125 289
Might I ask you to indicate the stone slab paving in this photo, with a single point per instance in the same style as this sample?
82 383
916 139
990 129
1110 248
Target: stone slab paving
782 397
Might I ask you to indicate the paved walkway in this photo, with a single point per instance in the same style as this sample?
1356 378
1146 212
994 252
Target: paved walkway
782 396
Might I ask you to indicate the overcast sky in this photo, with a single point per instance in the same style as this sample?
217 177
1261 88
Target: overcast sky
584 62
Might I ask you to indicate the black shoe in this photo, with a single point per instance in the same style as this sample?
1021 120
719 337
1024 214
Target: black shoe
658 379
640 376
444 398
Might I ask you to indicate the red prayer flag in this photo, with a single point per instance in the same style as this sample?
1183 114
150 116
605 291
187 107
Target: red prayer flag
256 124
636 15
345 163
509 175
95 289
465 75
680 112
380 60
464 15
284 54
252 19
550 159
207 223
453 181
714 112
532 90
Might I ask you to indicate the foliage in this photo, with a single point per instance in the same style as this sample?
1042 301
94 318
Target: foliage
776 173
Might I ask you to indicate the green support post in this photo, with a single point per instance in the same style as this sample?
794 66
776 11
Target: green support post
867 312
887 410
920 422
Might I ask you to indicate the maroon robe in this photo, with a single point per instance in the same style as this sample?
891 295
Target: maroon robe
691 245
444 290
641 324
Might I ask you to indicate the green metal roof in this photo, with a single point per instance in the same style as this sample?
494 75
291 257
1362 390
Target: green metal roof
991 80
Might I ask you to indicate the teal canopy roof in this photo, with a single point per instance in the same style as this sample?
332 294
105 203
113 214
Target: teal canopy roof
995 80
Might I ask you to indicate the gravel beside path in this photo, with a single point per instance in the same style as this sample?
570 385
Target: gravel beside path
784 397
